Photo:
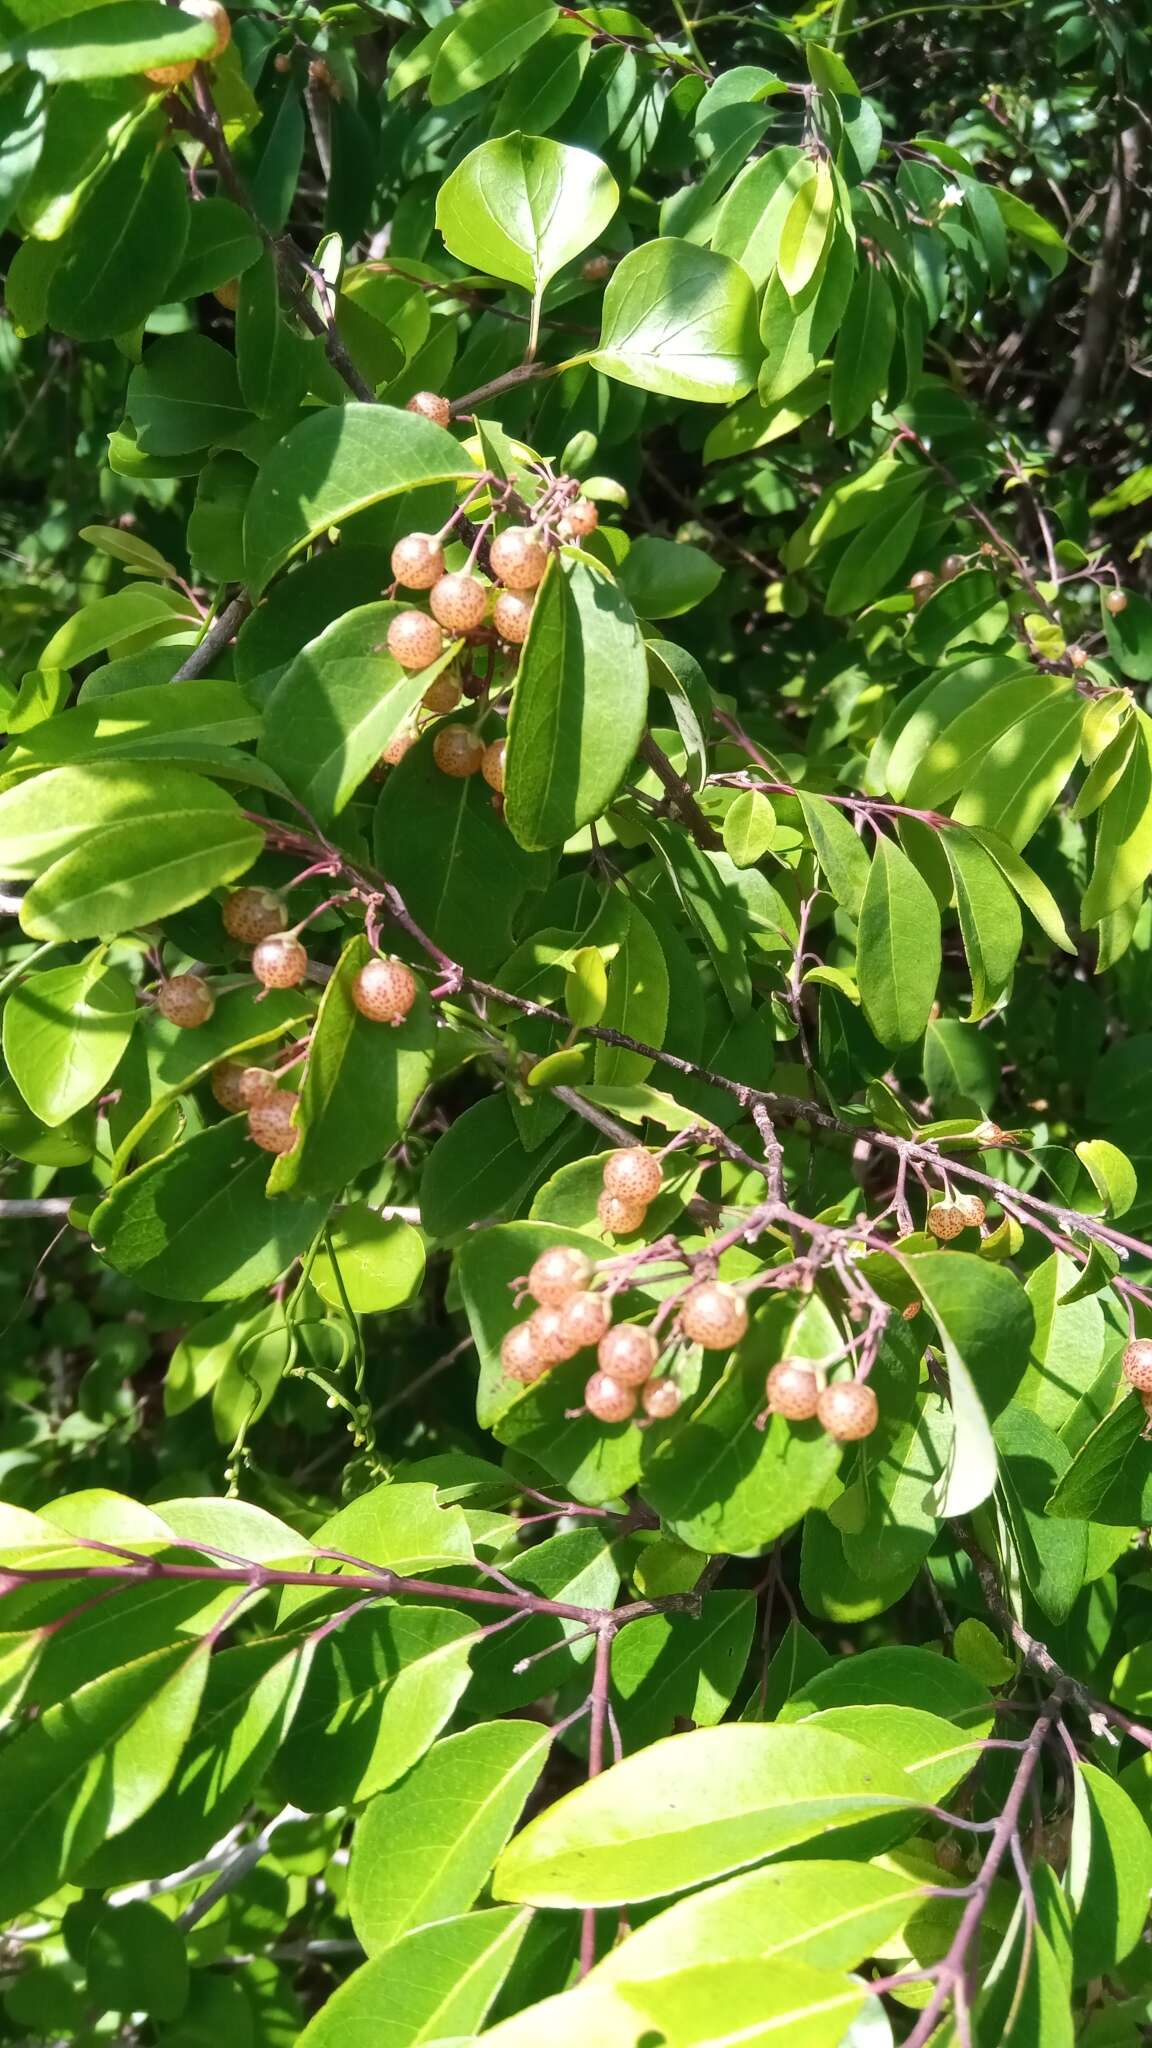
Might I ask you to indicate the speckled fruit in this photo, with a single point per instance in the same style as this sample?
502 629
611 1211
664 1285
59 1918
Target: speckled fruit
418 561
398 746
945 1221
1137 1364
1115 601
280 962
457 751
431 405
520 1354
607 1400
971 1209
628 1352
552 1340
512 616
714 1315
415 640
459 602
270 1122
492 766
622 1218
236 1087
558 1274
186 1000
581 518
385 991
793 1390
633 1174
596 269
250 915
443 695
585 1318
661 1398
848 1410
518 558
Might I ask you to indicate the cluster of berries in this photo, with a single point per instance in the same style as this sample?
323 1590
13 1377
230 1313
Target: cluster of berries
570 1317
962 1212
384 992
845 1409
632 1179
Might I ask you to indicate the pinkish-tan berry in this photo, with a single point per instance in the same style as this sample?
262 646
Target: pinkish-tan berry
628 1352
945 1221
661 1398
1115 602
793 1390
922 584
552 1340
520 1354
971 1209
492 766
415 640
457 751
431 405
280 962
459 602
518 558
1078 656
633 1174
585 1318
512 616
186 1000
443 694
607 1400
250 915
1136 1364
236 1087
848 1410
622 1218
398 746
713 1315
596 268
557 1274
952 566
580 519
270 1122
418 561
384 991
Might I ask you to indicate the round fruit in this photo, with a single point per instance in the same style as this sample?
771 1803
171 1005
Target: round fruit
660 1399
551 1338
1078 657
582 517
457 750
922 584
628 1353
492 766
398 746
952 565
280 962
620 1217
443 695
415 640
253 914
171 75
1115 601
713 1315
607 1400
1137 1364
634 1175
585 1318
512 616
459 602
558 1274
793 1390
520 1354
596 269
431 405
227 294
186 1000
236 1087
945 1220
971 1209
518 558
848 1410
385 991
270 1123
418 561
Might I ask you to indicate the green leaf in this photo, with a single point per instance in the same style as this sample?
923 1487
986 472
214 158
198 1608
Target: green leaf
479 1168
1113 1174
23 119
435 1985
338 462
523 206
839 849
960 1067
1109 1874
898 947
667 1667
713 908
1033 893
638 989
336 707
395 1527
372 1262
485 39
111 42
185 395
964 610
195 1224
128 615
137 1961
124 244
694 1807
990 922
423 1850
681 321
864 349
805 230
796 335
749 828
269 365
586 987
1023 220
1123 856
663 578
810 2008
873 558
751 217
65 1031
985 1322
578 708
361 1084
1068 1346
222 244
